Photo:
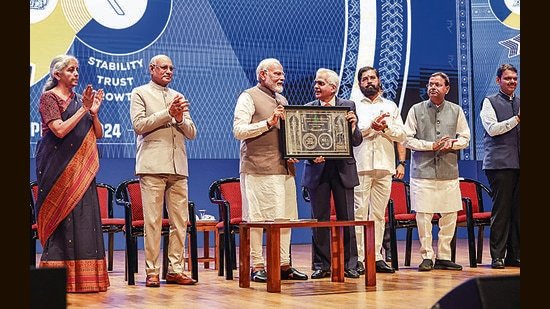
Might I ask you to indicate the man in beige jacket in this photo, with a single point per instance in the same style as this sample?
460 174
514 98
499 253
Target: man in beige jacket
160 117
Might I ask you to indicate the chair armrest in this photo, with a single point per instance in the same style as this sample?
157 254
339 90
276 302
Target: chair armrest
120 197
469 211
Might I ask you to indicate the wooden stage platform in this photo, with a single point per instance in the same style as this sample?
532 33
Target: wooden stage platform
407 288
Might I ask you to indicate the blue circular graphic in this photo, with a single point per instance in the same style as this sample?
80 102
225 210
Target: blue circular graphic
132 39
507 12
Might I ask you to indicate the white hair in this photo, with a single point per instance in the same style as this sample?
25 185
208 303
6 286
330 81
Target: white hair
58 63
265 64
332 77
157 57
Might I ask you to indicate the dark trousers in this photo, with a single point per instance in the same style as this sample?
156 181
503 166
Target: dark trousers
387 238
505 215
320 206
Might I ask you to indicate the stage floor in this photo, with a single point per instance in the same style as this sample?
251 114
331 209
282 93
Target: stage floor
406 288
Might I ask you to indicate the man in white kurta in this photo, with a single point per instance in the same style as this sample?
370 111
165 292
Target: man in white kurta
381 125
436 129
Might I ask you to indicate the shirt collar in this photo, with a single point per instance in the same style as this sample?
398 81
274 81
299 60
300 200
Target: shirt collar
266 90
377 99
157 86
332 101
507 97
432 104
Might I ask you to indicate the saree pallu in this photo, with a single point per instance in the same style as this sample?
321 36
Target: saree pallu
69 220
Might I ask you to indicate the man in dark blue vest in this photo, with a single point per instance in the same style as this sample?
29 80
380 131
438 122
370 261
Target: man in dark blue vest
500 118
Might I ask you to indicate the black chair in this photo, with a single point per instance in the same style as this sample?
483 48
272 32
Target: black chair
226 193
109 224
400 217
128 195
471 216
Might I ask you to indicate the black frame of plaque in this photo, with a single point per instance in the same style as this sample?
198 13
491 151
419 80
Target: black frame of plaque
307 123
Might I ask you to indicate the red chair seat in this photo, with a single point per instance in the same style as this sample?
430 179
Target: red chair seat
112 221
405 217
477 216
236 220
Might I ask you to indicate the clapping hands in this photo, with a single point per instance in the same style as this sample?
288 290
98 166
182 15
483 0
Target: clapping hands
177 107
91 99
379 123
98 99
444 143
88 97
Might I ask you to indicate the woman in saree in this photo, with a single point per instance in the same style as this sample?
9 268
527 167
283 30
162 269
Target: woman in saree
68 215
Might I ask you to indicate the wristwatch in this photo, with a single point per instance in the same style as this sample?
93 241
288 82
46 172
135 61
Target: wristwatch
404 163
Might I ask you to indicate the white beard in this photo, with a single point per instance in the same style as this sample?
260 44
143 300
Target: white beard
278 89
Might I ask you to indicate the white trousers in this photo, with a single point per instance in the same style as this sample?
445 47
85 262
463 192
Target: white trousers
266 197
447 225
370 200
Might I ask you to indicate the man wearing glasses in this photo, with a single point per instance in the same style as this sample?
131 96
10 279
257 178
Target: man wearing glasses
160 117
436 129
336 177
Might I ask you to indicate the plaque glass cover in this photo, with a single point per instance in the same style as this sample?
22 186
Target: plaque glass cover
311 131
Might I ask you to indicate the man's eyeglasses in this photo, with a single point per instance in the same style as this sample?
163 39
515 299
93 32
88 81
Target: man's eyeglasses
436 85
276 73
164 67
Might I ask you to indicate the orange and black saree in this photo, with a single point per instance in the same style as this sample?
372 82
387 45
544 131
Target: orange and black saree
68 216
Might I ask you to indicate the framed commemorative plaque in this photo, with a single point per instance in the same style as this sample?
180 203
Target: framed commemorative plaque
311 131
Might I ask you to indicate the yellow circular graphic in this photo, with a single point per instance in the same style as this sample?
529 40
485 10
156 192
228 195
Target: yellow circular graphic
507 12
52 32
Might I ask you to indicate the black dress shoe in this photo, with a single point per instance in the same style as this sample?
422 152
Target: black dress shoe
426 265
360 268
497 263
446 264
292 274
512 262
259 276
320 273
351 273
382 267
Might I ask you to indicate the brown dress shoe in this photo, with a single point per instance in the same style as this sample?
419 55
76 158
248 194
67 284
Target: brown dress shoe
179 279
152 281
